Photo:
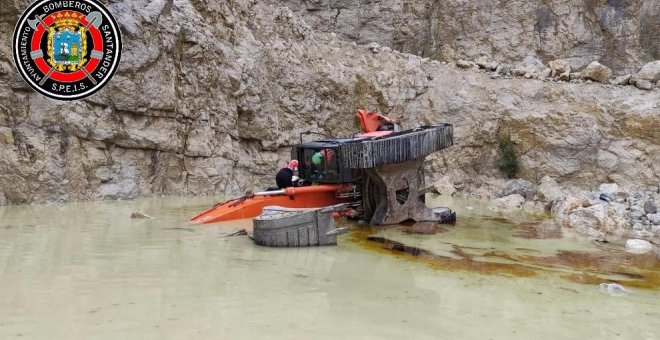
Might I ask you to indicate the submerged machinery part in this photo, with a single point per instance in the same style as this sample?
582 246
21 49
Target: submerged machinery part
393 177
388 167
291 227
393 194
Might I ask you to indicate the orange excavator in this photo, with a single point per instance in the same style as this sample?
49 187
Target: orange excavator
376 175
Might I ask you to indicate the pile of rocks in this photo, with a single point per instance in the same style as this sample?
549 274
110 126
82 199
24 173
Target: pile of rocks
560 70
517 193
607 211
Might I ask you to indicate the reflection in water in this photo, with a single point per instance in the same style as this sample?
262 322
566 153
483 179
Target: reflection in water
88 270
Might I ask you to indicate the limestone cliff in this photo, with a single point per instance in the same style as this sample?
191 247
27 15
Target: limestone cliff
621 34
210 95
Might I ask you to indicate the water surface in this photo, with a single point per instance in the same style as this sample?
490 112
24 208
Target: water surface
87 270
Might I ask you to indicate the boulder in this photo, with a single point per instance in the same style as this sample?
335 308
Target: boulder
650 207
597 72
139 214
644 85
586 221
465 64
505 203
621 80
591 219
483 194
531 67
641 234
613 289
549 190
575 76
519 71
444 186
519 186
447 53
654 218
610 189
483 62
533 61
503 69
374 47
649 72
559 66
564 207
637 212
638 246
545 74
534 207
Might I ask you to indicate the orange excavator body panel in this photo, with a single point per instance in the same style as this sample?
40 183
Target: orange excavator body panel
371 121
315 196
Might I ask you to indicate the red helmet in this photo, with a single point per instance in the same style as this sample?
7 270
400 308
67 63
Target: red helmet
292 164
329 154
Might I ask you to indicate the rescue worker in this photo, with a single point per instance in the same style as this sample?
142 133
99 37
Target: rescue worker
319 165
285 177
322 163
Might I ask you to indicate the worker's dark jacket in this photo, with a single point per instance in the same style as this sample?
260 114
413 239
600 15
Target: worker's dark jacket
284 178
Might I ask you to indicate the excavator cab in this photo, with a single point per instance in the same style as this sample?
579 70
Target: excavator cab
321 162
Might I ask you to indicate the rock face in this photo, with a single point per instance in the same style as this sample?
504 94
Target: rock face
209 98
620 34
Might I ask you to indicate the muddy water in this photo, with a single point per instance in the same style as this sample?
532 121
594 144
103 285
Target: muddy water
88 270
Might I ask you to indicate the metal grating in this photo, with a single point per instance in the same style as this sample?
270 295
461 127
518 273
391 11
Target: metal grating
397 147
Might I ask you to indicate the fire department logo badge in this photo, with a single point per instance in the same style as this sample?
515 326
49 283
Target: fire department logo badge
67 49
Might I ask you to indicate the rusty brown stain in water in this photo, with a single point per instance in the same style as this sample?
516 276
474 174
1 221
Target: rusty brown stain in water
639 271
424 228
536 230
495 219
383 245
